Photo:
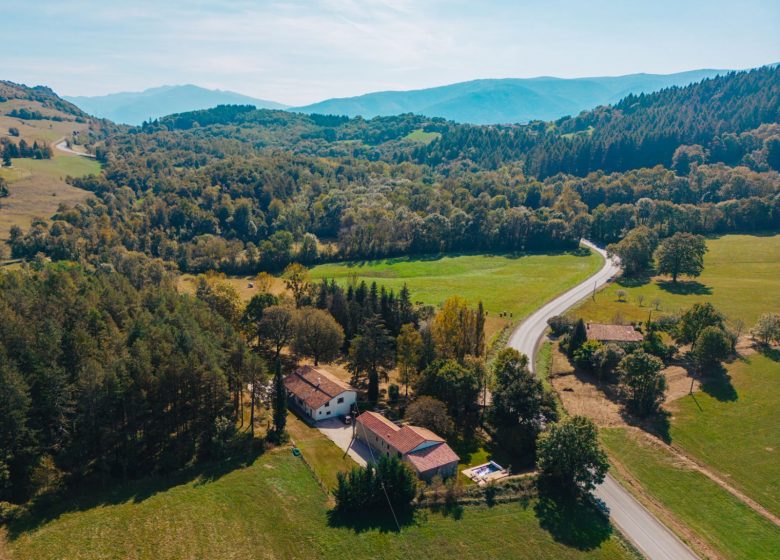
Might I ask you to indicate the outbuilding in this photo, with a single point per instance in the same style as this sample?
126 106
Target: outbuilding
619 334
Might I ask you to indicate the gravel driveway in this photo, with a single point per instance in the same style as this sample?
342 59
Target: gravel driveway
341 434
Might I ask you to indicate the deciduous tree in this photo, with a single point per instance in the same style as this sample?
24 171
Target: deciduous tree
430 413
683 253
317 335
569 455
642 383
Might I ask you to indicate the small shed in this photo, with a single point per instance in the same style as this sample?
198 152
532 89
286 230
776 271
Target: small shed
620 334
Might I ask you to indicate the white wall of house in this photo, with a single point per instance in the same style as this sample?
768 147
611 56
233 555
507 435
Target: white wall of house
340 405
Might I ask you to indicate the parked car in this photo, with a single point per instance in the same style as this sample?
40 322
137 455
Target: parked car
347 419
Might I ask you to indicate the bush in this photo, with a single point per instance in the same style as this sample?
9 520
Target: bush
560 324
392 393
369 488
584 355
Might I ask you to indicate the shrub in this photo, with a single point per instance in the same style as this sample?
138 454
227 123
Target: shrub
560 324
369 488
392 393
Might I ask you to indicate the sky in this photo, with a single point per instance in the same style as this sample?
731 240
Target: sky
301 51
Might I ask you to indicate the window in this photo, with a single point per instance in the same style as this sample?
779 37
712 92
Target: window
327 404
341 400
328 414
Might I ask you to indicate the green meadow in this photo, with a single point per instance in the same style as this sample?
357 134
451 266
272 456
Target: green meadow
504 283
741 278
273 508
724 522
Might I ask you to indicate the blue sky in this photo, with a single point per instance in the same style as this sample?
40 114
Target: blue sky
301 51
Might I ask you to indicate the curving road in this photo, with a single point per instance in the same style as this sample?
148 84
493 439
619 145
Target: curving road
640 526
62 146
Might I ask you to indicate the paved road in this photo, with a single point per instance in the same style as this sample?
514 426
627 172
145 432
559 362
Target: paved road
62 146
648 534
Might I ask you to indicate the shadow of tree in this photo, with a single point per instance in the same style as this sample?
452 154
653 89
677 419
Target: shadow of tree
717 384
49 507
632 281
685 288
771 353
574 521
382 521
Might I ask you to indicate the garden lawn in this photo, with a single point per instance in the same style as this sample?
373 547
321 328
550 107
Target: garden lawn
273 508
324 457
511 284
741 278
733 427
729 526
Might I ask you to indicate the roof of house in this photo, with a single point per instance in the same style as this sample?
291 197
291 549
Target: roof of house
402 438
614 333
314 386
433 457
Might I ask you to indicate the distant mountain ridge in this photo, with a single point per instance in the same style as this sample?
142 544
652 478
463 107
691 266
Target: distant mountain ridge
484 101
508 100
136 107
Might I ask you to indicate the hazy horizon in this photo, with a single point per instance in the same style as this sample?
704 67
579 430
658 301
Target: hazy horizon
305 51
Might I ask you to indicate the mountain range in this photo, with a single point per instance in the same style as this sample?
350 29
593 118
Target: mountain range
488 101
136 107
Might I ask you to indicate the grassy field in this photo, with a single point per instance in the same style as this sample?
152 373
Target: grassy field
38 187
741 278
732 426
422 137
729 526
273 508
324 457
510 284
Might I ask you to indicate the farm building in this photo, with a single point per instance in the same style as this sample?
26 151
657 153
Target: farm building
319 394
620 334
426 452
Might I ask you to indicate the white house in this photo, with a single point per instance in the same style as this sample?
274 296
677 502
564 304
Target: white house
319 394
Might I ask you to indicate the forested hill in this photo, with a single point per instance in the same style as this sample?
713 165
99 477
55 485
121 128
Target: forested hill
721 115
645 130
639 131
241 190
42 94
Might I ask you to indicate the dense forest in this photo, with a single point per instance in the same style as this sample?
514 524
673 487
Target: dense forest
242 190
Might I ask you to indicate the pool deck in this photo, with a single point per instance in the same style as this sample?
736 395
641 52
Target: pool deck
481 480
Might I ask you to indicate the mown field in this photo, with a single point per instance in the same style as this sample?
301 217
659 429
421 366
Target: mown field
504 283
732 426
273 508
729 526
741 278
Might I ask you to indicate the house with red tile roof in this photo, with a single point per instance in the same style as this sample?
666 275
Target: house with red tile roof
318 394
620 334
427 453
